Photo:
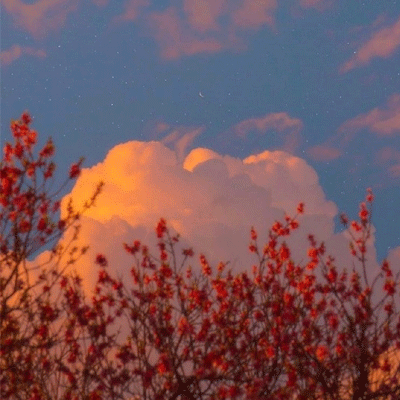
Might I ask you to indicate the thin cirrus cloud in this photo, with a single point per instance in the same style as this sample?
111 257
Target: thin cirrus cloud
383 121
8 56
391 158
383 43
132 10
323 153
317 4
281 122
212 200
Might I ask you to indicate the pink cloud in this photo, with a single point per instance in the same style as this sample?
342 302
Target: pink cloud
323 153
278 121
198 28
394 171
389 158
203 14
100 3
254 14
7 57
387 154
176 39
42 17
383 121
281 122
132 10
318 4
383 43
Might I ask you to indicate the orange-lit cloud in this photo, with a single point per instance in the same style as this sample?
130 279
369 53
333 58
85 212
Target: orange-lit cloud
210 199
280 122
383 121
323 153
7 57
383 43
42 17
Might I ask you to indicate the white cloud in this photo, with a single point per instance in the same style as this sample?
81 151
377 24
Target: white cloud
210 199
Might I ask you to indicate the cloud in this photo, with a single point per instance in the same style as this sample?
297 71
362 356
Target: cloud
208 26
255 14
387 154
132 10
180 139
40 18
280 122
7 57
176 39
323 153
203 15
212 200
383 121
101 3
383 43
318 4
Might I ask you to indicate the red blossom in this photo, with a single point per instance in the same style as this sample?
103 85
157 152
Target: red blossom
74 171
101 260
389 286
161 228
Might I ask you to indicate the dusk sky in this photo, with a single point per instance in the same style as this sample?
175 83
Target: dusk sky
215 114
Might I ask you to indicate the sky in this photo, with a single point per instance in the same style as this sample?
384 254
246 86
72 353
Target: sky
217 115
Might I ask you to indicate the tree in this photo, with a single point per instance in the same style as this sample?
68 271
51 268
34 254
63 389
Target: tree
30 313
280 331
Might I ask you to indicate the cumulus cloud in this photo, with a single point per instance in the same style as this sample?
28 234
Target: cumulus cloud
7 57
212 200
383 43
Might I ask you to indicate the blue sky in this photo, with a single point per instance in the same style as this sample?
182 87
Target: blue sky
317 79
